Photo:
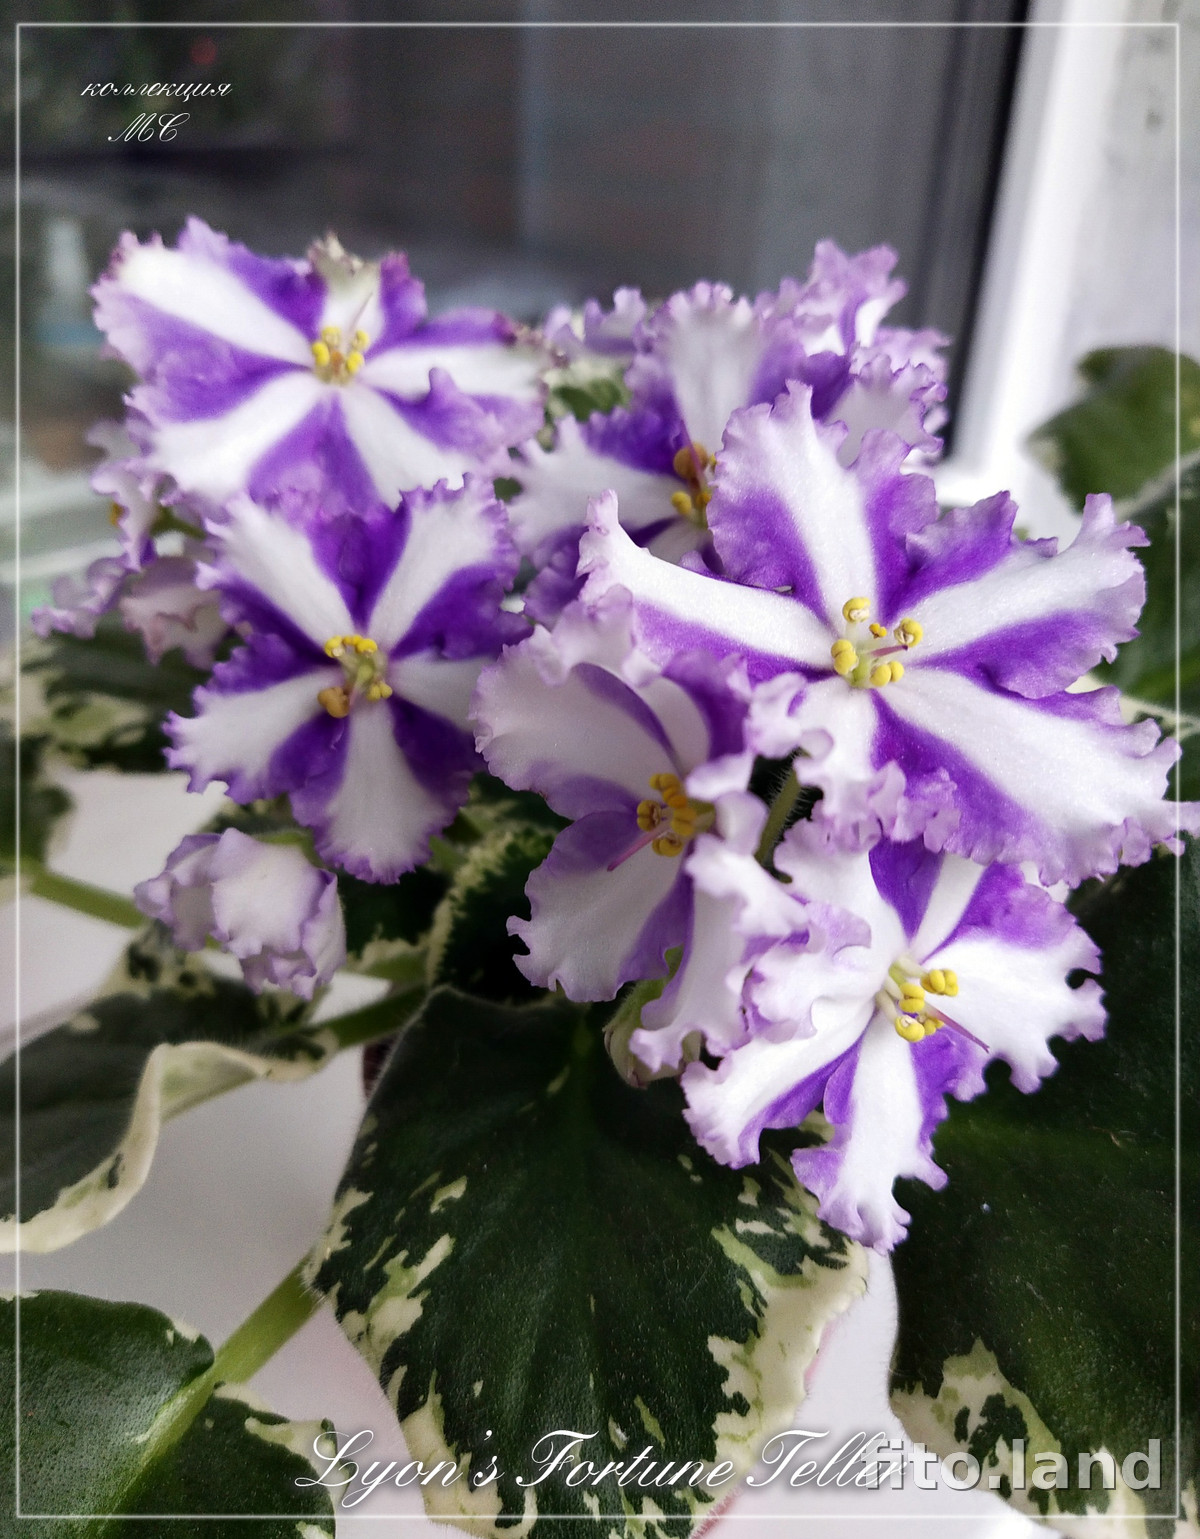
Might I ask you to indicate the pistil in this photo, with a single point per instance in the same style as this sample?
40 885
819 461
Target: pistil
332 363
363 665
669 822
862 662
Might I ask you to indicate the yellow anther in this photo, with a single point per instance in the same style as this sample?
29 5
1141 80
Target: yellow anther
331 335
910 1028
877 630
856 609
682 504
951 983
664 782
676 798
115 510
909 632
667 844
649 815
690 463
912 997
359 340
335 699
320 355
897 668
334 646
932 1024
354 362
363 644
379 689
881 674
845 657
935 980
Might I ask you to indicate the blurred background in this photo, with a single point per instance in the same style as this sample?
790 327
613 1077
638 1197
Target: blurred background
524 166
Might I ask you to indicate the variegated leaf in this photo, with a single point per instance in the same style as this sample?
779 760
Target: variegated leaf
166 1035
1038 1291
120 1422
522 1245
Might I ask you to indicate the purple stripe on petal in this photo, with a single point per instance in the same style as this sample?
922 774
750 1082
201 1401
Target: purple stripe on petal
191 374
791 1108
447 417
310 765
990 822
266 658
402 300
666 927
440 755
289 288
359 554
243 603
897 505
1036 658
463 618
314 471
607 687
905 875
1005 906
644 440
958 548
665 635
724 712
759 543
469 323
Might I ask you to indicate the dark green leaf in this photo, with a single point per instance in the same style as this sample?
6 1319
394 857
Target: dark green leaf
402 910
584 397
100 1383
469 945
1039 1286
105 701
95 1091
522 1243
42 803
1122 433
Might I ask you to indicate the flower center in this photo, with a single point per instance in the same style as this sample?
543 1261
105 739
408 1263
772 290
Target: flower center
331 363
903 1000
363 664
669 822
860 656
692 465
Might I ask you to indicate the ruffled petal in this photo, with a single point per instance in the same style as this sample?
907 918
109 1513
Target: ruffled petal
122 477
885 1100
76 604
453 563
1062 782
557 483
236 735
703 350
786 514
263 560
1020 614
678 610
168 607
593 929
377 817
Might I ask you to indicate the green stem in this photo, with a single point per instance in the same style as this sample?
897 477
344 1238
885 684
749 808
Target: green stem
84 898
777 818
256 1340
378 1020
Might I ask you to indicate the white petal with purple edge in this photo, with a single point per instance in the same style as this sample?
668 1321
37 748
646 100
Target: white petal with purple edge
379 821
675 605
588 922
558 482
1088 792
207 295
273 556
234 736
711 346
214 456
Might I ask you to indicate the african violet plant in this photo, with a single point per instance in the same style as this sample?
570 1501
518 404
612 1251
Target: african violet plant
744 840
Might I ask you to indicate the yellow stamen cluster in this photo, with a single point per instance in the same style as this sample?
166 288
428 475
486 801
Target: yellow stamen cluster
331 363
691 465
861 663
679 817
363 666
903 999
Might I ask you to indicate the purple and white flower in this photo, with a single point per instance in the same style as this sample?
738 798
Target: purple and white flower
960 964
265 904
133 492
363 642
642 759
308 385
167 605
701 356
944 648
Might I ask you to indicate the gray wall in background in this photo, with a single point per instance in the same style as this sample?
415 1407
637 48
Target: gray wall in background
659 156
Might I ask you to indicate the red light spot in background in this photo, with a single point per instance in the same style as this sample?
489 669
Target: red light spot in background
203 52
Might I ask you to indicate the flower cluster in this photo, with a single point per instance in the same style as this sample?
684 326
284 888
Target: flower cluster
828 755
